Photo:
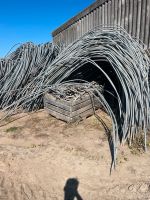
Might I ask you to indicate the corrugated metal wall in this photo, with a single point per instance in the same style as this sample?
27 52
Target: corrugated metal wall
133 15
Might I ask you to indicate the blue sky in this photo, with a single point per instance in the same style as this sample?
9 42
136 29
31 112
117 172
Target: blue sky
34 20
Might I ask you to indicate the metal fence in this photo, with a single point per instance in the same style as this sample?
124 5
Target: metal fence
132 15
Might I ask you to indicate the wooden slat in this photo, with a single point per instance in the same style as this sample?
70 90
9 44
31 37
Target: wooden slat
134 18
123 13
57 104
97 18
127 16
116 12
59 115
83 115
119 13
80 100
94 18
143 23
89 16
57 109
78 115
109 13
130 17
90 21
103 15
51 98
139 7
112 12
81 105
48 103
81 110
100 15
86 24
78 29
147 25
106 13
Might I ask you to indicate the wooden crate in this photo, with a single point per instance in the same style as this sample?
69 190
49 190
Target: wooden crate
70 111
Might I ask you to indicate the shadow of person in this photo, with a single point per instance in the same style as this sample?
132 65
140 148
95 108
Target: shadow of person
71 189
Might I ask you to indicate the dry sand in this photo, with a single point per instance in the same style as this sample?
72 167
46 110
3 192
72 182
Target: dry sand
39 153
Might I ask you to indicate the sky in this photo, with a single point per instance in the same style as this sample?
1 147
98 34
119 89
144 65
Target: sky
33 20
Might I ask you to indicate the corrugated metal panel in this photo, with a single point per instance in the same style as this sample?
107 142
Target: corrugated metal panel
133 15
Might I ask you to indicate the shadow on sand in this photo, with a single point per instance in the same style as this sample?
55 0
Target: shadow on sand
71 190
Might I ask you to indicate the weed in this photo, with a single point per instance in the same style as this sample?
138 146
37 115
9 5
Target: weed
12 129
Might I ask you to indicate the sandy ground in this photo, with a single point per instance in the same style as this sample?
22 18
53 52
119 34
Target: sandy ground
40 156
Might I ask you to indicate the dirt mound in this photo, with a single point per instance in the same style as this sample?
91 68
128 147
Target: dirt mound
40 157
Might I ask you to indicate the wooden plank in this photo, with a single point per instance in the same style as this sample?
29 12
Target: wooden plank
106 13
75 31
81 26
134 18
147 25
78 30
127 16
57 104
100 15
116 12
81 110
51 98
119 13
123 13
65 42
103 15
139 7
112 12
87 25
143 23
85 114
130 17
92 20
97 17
57 109
81 99
59 115
80 114
75 107
89 16
109 13
81 105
